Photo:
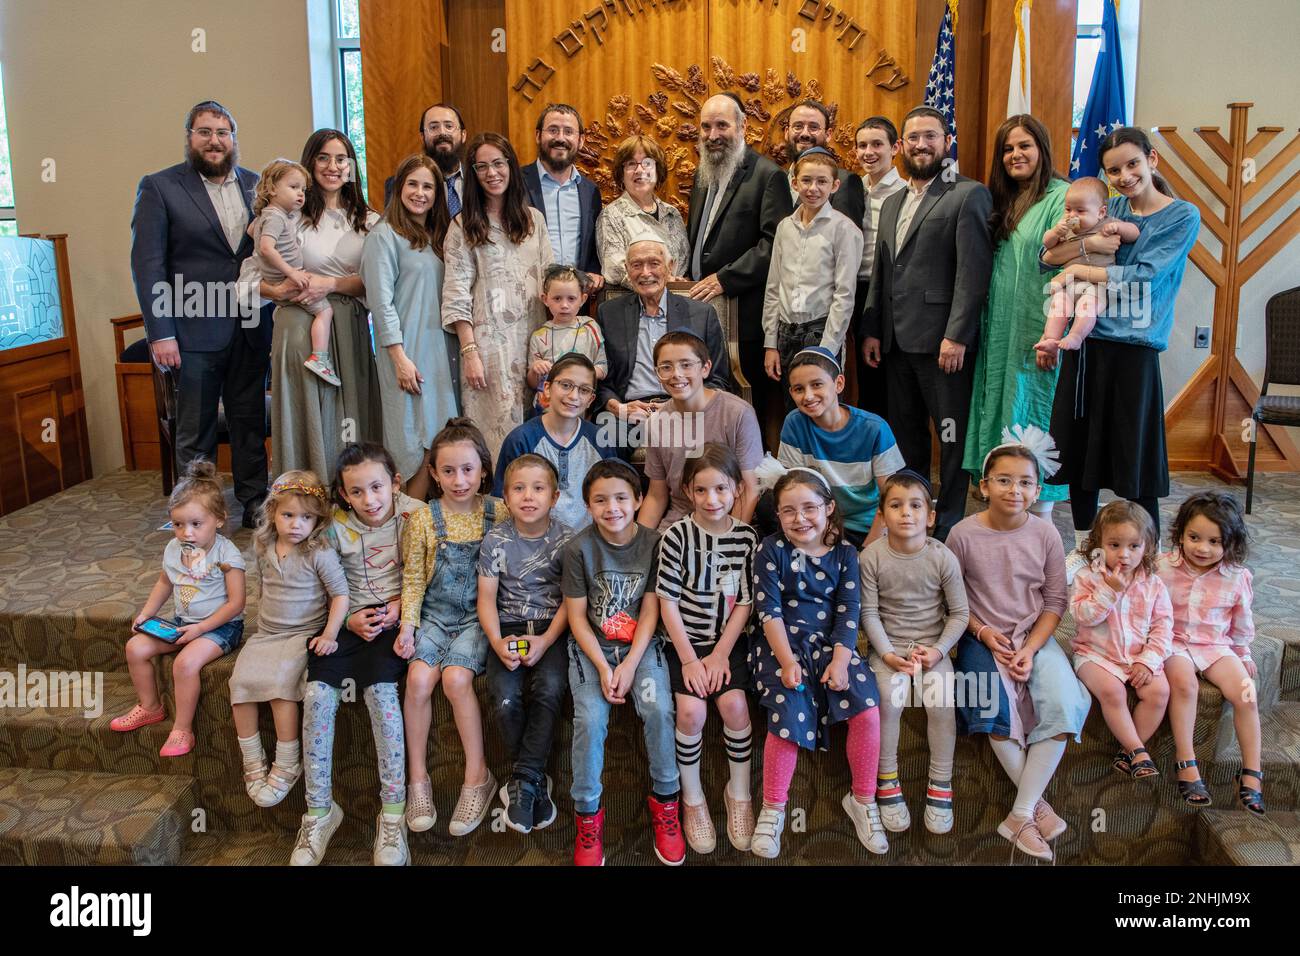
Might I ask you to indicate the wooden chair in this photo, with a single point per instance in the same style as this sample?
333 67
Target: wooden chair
1281 367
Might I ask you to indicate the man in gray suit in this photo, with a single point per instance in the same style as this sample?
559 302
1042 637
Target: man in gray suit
188 239
928 285
632 324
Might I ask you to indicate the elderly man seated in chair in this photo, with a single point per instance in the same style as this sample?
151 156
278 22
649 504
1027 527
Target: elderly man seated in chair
632 324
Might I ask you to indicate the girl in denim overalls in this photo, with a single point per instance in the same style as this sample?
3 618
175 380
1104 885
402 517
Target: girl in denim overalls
440 634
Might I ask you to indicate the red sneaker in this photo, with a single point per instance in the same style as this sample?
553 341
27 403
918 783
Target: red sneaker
670 847
589 847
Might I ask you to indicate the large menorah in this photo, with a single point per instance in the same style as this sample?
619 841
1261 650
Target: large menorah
1208 423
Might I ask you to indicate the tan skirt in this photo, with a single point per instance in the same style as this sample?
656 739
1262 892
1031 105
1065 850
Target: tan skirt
271 667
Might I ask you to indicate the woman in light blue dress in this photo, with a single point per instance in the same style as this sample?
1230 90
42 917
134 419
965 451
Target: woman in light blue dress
402 268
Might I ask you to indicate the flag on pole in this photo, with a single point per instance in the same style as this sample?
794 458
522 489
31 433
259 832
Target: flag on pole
1105 110
941 89
1018 94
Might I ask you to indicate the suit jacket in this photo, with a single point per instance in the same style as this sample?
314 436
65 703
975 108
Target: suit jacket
739 247
619 320
849 199
588 210
934 285
175 231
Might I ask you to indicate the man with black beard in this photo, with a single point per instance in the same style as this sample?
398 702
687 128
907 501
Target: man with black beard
188 238
931 276
442 129
808 126
569 201
737 201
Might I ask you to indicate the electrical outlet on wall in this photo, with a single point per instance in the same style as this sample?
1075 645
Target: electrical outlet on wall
1202 337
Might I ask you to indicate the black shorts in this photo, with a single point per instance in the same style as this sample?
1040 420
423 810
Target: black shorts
737 662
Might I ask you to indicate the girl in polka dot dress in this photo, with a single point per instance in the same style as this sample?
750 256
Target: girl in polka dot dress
808 673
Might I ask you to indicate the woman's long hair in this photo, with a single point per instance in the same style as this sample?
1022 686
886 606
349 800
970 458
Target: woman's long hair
1009 205
516 217
351 198
1136 137
433 229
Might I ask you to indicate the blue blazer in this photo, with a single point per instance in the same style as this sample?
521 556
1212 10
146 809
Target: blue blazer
175 231
588 209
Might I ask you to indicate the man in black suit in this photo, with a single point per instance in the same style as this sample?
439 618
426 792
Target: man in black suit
928 286
188 239
809 126
737 201
443 132
632 324
569 201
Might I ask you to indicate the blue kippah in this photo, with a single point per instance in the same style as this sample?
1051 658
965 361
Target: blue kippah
818 350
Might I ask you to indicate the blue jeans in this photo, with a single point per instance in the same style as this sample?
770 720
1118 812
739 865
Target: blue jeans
651 695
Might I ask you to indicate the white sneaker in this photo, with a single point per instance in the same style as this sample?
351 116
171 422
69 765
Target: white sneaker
938 821
1074 563
390 840
895 817
314 837
866 820
766 841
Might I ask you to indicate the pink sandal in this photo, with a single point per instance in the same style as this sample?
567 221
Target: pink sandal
179 743
137 717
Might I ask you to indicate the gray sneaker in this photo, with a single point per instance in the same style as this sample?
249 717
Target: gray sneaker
390 840
322 368
314 837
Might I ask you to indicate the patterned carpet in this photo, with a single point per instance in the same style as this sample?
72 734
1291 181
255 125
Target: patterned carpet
75 569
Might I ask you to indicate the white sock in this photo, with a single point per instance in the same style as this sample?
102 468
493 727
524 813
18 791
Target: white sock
689 748
740 744
251 748
1040 764
1011 755
288 753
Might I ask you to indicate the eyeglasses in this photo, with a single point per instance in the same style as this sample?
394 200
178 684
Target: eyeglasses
929 136
450 126
807 182
632 165
685 365
325 159
803 511
561 131
204 133
1004 483
567 387
497 166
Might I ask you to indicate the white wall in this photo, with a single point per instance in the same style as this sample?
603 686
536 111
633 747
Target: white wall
1195 57
103 89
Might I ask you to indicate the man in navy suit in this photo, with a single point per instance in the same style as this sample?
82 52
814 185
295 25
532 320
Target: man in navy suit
569 201
189 235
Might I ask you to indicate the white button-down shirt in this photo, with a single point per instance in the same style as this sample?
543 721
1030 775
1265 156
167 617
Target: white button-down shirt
911 201
889 184
228 201
813 275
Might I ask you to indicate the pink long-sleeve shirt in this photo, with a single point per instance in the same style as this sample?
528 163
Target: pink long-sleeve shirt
1212 607
1131 627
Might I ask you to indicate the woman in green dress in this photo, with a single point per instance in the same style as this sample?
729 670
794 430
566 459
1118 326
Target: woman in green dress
1012 387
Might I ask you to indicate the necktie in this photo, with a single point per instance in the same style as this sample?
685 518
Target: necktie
453 197
698 252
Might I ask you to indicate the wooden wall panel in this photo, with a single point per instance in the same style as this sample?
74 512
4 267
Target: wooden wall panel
401 73
475 64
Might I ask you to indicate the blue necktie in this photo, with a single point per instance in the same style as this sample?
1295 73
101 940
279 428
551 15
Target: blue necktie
453 198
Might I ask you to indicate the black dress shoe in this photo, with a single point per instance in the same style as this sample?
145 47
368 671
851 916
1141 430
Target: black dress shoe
252 512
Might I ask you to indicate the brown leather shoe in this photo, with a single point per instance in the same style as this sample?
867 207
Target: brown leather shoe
698 827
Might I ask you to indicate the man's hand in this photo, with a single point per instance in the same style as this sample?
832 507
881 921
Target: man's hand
706 288
595 282
166 354
871 351
951 356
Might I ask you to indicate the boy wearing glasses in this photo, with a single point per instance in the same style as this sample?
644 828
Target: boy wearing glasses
562 436
693 415
564 292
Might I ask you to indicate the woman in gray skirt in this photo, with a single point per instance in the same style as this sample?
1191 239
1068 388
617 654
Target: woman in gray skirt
310 420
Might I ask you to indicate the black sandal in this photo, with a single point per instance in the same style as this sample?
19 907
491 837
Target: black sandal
1252 800
1141 769
1121 764
1193 792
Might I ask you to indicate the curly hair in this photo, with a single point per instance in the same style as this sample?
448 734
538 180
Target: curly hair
307 490
271 178
200 483
1225 512
1124 512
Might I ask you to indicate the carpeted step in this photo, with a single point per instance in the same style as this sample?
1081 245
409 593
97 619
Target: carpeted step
70 818
1239 838
1280 753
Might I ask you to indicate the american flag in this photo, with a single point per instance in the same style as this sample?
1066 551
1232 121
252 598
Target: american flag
1104 112
941 89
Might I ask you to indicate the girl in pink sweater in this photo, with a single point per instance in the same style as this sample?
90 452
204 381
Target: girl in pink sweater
1124 629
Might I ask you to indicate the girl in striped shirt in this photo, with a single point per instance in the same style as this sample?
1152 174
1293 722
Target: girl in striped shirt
705 585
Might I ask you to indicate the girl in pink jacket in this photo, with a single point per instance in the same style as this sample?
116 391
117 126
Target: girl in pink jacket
1123 629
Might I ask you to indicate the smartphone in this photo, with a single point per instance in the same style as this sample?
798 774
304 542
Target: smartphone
160 628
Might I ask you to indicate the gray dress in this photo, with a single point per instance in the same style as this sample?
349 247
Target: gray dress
404 289
311 420
292 610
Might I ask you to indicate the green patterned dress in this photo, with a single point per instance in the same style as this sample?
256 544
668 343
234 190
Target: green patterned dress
1010 388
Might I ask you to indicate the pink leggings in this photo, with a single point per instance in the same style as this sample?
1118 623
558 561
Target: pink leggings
862 749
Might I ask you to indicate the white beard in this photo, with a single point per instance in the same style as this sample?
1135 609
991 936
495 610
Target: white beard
712 172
